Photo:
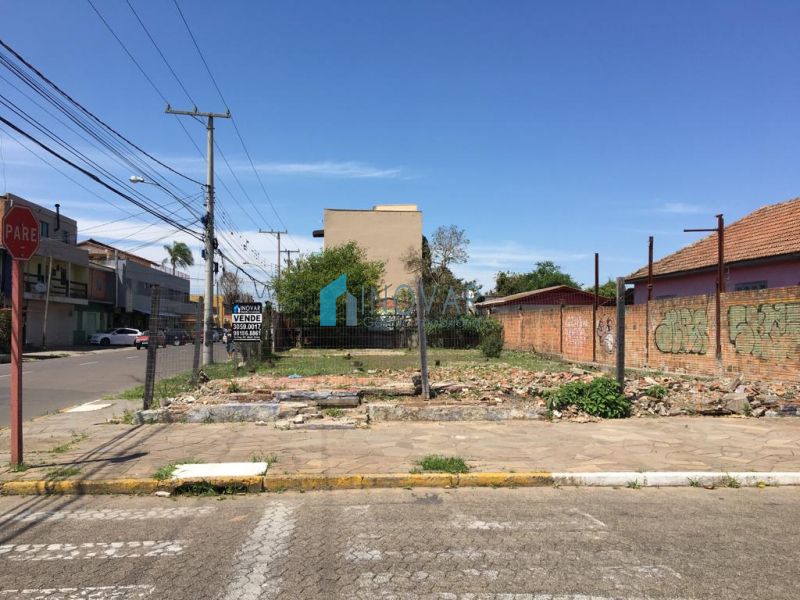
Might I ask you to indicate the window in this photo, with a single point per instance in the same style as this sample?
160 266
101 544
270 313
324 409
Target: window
65 236
44 229
751 285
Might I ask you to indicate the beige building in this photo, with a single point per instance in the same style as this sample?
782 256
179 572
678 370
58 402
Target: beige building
386 233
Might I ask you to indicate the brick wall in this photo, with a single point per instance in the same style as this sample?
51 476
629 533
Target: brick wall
760 334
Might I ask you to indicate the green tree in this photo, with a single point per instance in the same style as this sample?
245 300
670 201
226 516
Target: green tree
299 285
546 274
607 290
179 255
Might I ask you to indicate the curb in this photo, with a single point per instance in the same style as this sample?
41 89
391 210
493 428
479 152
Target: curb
306 482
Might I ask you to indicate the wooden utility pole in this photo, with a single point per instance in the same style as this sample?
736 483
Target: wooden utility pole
288 254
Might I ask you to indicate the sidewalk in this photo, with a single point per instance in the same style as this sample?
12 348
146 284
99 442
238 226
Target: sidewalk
84 443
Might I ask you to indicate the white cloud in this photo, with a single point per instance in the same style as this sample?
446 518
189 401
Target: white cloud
680 208
342 169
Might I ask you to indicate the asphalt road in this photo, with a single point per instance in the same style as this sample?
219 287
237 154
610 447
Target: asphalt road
53 384
477 544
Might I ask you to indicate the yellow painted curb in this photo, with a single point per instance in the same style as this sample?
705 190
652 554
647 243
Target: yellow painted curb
534 479
305 482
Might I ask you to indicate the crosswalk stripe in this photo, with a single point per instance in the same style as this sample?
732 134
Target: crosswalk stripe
91 550
110 514
110 592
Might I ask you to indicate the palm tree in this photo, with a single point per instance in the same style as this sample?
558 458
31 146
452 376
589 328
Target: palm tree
179 255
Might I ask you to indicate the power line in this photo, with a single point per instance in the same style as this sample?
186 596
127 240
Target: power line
97 179
233 120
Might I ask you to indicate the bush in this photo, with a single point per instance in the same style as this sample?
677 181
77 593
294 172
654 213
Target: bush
656 391
571 394
600 398
491 336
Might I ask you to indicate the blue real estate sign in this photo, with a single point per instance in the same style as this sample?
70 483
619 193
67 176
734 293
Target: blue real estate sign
247 322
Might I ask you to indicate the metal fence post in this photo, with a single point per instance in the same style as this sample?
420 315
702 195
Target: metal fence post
198 342
423 342
621 333
152 346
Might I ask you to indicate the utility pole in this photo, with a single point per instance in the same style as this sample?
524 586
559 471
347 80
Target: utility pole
288 254
210 239
277 234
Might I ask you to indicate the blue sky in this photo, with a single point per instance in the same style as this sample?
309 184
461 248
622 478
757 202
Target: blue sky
546 130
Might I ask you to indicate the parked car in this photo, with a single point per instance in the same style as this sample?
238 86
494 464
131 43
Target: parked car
143 339
121 336
177 337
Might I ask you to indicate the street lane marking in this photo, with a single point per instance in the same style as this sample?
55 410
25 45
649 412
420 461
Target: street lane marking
9 374
94 362
89 550
130 357
495 596
87 407
109 592
580 520
110 514
258 561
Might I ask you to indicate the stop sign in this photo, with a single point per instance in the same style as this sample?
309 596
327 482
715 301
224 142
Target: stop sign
20 232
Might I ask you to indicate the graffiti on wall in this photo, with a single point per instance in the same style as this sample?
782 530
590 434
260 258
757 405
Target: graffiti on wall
576 328
605 334
683 331
765 331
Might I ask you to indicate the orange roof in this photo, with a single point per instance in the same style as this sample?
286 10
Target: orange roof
770 231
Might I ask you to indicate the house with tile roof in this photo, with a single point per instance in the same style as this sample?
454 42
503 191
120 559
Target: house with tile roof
762 250
557 295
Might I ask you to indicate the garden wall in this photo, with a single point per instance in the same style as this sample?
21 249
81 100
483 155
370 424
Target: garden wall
760 334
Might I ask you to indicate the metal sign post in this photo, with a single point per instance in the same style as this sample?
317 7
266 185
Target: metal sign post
21 241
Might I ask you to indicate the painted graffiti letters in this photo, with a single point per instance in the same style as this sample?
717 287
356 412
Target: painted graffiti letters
765 331
683 331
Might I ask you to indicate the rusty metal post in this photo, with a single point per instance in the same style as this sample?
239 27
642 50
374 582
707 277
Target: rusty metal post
621 333
16 362
649 298
198 342
720 279
594 305
152 346
423 342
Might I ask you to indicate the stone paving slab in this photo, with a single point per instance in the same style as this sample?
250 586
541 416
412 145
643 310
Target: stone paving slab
85 441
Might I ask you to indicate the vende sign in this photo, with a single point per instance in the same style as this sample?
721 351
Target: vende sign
20 233
247 321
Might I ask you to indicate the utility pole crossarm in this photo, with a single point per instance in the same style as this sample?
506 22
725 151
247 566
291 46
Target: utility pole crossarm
196 113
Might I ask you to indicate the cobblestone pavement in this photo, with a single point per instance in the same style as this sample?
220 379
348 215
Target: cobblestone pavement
534 544
105 451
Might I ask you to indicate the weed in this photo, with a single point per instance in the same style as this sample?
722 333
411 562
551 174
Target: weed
77 438
446 464
657 391
334 412
601 398
415 470
730 482
234 387
203 488
127 417
59 473
167 470
694 482
270 459
18 467
633 485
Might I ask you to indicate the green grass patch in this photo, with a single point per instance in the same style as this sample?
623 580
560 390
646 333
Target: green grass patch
77 438
657 391
443 464
18 467
203 488
270 459
333 412
730 482
60 473
167 470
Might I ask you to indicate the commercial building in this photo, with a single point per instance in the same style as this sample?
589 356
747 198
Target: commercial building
55 280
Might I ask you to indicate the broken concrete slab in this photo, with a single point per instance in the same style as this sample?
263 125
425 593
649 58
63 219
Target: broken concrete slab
449 412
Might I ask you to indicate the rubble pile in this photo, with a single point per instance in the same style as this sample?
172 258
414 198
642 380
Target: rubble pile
304 399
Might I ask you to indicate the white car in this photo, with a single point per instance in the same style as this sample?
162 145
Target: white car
122 336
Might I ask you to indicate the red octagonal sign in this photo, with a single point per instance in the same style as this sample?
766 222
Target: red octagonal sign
20 232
